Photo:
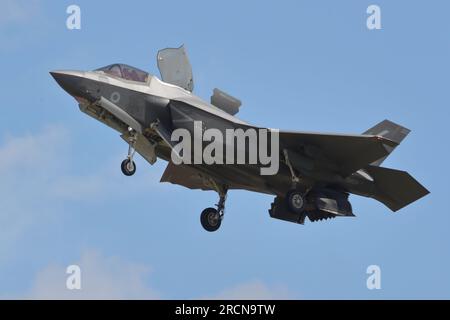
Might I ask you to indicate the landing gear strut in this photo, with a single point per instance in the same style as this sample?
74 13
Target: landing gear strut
128 166
295 198
211 218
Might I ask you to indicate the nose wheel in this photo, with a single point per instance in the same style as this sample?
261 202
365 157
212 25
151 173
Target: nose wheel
128 166
211 218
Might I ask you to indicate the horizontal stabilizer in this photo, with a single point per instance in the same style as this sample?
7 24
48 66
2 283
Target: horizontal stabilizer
395 188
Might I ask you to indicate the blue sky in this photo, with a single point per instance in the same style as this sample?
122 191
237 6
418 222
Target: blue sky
300 65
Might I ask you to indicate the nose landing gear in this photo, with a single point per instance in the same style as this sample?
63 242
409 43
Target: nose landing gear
128 166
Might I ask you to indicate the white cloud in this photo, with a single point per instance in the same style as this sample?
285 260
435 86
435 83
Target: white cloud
37 180
22 23
113 278
101 278
253 290
17 11
18 153
24 165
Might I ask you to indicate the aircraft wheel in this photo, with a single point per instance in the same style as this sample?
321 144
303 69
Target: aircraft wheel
295 201
210 219
128 167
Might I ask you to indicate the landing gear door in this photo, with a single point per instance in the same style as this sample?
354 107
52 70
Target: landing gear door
175 68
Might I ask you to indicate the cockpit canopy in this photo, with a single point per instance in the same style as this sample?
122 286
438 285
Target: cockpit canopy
125 72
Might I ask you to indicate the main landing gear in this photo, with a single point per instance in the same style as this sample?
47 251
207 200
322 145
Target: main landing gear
295 198
296 201
128 166
211 218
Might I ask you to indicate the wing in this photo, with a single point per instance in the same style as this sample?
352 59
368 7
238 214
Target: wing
343 153
389 130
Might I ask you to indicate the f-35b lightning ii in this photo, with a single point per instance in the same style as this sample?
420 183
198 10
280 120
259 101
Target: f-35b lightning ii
316 171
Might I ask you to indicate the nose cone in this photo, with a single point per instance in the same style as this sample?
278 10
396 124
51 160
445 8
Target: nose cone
70 81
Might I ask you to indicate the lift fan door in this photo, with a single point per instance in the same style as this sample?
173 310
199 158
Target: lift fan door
175 68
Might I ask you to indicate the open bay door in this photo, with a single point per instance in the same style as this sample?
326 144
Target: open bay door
175 68
225 102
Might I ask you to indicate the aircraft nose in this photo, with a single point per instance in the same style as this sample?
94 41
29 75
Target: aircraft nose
70 81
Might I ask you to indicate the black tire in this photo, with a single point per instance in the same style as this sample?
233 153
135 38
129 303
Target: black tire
210 219
128 168
295 201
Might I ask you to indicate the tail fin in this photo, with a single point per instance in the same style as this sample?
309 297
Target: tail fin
390 130
395 188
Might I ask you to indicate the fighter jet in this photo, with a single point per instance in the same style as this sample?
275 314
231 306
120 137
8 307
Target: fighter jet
316 171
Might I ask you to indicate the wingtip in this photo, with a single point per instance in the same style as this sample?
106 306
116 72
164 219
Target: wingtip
386 141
